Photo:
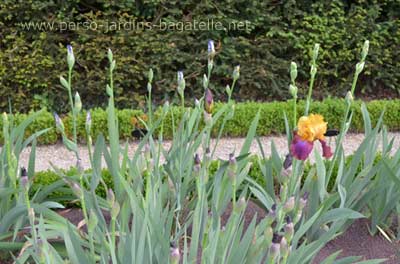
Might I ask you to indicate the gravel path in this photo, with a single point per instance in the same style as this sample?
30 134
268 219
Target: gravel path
62 158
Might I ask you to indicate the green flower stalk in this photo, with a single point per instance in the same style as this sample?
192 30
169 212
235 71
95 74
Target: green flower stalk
150 76
115 208
293 90
24 183
313 72
232 170
68 85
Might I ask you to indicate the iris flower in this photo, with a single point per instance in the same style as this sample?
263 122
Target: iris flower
309 129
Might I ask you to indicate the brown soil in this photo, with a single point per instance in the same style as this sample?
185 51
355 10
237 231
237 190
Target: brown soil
357 241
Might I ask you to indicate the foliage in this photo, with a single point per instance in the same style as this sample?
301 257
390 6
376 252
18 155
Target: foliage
165 206
237 126
32 60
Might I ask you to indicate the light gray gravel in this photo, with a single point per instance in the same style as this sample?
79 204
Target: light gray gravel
62 158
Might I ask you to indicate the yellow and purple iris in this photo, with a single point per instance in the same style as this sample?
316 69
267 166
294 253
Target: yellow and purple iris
309 129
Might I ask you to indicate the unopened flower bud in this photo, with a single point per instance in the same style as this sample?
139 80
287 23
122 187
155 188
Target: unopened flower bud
24 181
315 52
303 201
289 230
205 82
270 217
110 197
64 83
360 67
228 89
232 167
115 210
274 250
289 205
196 103
175 255
5 117
150 75
59 123
349 97
208 154
211 48
70 57
181 83
293 71
31 213
208 101
24 173
365 49
284 247
197 163
268 233
110 55
288 161
313 70
236 73
78 103
293 90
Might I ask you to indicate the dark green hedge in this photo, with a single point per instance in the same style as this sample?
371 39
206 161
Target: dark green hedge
278 32
271 119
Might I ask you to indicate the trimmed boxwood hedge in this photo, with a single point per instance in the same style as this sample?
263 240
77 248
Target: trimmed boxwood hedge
271 118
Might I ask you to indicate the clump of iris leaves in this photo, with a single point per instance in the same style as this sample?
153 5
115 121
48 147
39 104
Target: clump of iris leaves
165 207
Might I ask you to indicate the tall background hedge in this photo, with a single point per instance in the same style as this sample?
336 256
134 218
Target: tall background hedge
278 32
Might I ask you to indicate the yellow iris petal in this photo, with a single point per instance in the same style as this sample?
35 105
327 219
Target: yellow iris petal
311 127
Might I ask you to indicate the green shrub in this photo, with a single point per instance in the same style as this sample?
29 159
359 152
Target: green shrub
271 119
48 177
45 178
32 60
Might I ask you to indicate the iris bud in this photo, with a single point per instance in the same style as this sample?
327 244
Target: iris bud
78 103
175 255
365 49
70 57
289 205
293 71
236 73
150 75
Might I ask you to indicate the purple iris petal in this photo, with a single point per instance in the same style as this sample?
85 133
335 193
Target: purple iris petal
326 150
301 149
